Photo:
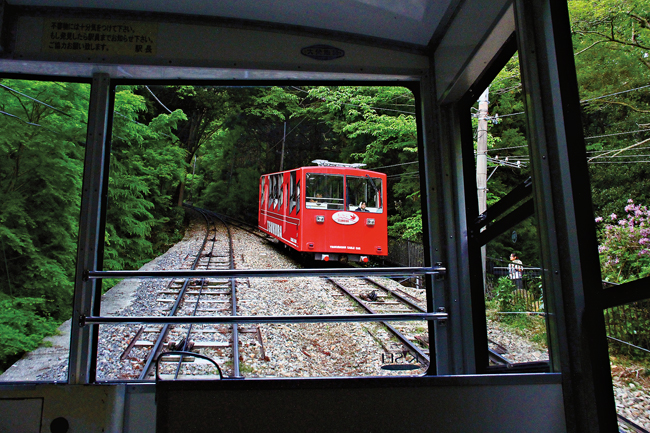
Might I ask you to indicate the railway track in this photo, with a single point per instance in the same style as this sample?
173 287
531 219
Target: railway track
173 347
185 350
376 298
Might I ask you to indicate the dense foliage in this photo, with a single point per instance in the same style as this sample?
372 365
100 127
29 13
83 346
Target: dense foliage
625 244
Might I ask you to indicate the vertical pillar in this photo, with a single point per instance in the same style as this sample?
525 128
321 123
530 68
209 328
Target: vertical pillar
443 218
577 343
81 367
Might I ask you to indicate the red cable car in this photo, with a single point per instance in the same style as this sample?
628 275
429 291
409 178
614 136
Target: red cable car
334 211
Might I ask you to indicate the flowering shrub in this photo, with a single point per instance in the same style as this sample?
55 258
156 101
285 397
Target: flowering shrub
625 244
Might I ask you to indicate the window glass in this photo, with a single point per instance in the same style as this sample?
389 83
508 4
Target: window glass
324 191
298 198
42 148
292 191
271 191
151 168
364 190
614 111
514 291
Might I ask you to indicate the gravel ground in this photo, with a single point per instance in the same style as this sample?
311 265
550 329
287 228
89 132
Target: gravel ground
520 349
308 350
284 350
632 394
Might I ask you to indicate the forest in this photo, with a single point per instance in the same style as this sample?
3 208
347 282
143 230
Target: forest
209 144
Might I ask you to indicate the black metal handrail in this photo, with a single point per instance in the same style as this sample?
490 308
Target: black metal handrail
316 318
248 273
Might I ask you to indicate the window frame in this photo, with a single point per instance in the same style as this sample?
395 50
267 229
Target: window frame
91 321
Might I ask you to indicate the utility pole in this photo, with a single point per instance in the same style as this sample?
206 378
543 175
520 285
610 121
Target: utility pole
481 162
284 137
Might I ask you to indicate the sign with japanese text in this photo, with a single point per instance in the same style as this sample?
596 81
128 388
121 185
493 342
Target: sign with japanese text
100 37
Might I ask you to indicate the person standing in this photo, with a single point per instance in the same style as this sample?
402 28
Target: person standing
516 271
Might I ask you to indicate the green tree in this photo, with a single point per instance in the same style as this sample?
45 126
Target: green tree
611 42
147 165
41 152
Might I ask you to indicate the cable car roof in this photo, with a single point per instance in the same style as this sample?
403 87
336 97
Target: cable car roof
410 21
396 38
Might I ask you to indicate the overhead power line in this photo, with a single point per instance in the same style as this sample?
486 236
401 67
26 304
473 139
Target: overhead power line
290 131
515 163
408 174
13 116
395 165
35 100
620 148
617 162
156 98
617 133
613 94
495 149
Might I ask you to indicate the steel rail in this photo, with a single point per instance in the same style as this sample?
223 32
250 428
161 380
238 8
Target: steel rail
198 299
396 295
240 224
630 424
269 273
316 318
407 343
189 331
233 292
163 333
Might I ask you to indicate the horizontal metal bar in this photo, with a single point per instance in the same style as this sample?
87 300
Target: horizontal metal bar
629 344
512 219
519 193
626 293
320 318
246 273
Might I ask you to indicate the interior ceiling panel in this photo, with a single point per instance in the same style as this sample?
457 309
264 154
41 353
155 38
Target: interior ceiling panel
407 21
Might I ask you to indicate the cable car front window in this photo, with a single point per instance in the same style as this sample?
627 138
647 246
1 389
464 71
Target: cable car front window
364 190
324 191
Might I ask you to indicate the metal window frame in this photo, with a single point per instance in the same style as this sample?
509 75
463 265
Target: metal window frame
570 265
88 280
87 293
562 205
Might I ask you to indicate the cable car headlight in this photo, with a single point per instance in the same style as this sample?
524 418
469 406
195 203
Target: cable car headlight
370 221
320 219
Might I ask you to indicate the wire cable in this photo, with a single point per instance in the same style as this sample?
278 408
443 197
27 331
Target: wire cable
613 94
156 98
30 123
36 100
617 133
395 165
